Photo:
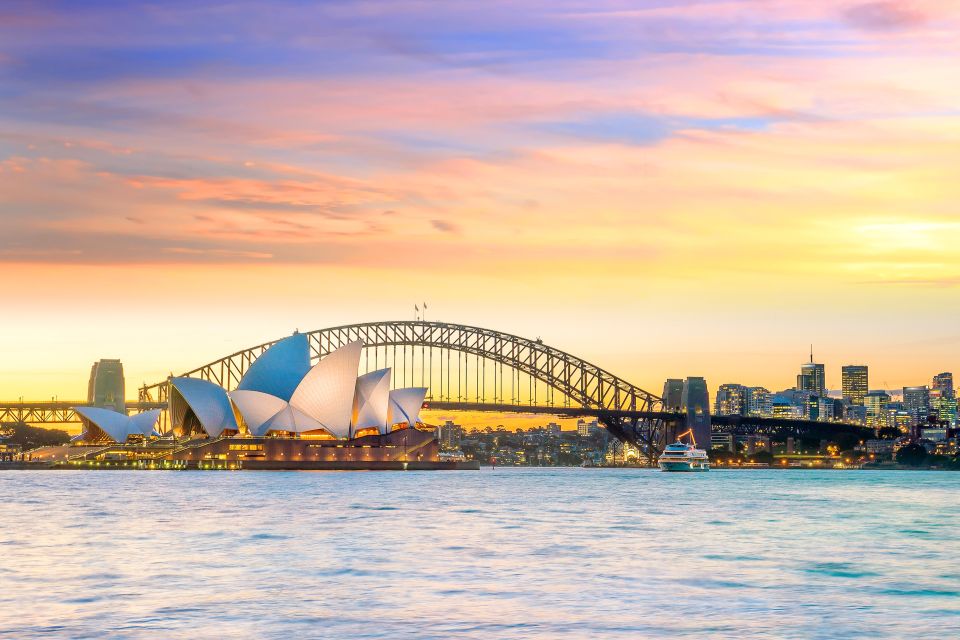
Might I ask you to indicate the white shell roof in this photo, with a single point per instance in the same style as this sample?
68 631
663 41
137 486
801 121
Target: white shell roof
117 426
113 424
291 419
257 408
145 422
326 392
405 405
209 402
371 401
280 368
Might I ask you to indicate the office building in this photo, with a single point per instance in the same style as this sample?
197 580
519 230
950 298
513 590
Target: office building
916 402
759 402
943 382
876 403
855 383
812 377
731 400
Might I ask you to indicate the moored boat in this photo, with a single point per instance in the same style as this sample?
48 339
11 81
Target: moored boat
681 456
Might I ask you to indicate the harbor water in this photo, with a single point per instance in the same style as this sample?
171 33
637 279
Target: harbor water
505 553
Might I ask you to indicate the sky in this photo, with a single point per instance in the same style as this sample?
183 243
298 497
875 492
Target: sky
661 188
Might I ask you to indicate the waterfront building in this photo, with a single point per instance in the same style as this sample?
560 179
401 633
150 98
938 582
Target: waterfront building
449 435
876 403
106 387
723 441
855 383
916 402
672 394
327 413
759 402
731 400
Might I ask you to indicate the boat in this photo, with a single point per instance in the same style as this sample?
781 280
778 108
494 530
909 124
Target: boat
681 456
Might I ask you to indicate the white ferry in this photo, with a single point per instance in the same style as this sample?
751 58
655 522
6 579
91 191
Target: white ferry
681 456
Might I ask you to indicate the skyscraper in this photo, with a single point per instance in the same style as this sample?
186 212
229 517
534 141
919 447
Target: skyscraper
855 383
672 394
731 400
876 404
812 377
106 387
944 383
916 402
944 407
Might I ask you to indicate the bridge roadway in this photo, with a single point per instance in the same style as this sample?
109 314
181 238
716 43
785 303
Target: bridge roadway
61 412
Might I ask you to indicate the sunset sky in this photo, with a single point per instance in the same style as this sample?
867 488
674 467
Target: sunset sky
662 188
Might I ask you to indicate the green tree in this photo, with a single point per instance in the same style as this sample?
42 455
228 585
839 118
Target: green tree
763 457
29 437
911 455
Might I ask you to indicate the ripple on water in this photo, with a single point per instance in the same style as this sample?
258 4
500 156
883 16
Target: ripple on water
538 553
839 570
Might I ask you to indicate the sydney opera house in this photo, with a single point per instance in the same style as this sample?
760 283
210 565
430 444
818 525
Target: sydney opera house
284 414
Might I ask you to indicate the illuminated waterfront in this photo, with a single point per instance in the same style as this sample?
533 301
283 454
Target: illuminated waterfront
536 553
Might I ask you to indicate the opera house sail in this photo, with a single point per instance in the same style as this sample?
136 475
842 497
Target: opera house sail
108 426
288 411
281 396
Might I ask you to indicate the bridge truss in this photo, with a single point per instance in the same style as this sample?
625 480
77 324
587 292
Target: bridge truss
55 412
466 367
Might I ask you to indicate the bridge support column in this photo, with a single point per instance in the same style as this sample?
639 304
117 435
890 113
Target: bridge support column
648 435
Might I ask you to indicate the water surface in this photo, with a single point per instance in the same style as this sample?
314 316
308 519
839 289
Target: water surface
510 553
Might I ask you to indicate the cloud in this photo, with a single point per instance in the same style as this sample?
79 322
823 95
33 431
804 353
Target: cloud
885 16
444 226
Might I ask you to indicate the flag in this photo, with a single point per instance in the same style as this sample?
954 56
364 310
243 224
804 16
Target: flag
416 308
424 306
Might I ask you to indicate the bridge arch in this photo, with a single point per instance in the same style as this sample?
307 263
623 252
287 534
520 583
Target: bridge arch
466 367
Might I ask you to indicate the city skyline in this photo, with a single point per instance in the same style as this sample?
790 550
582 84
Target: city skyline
705 200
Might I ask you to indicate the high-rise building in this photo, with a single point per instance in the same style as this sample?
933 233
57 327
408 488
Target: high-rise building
916 402
812 377
944 407
449 435
855 383
672 394
943 382
876 403
759 401
731 400
106 387
695 401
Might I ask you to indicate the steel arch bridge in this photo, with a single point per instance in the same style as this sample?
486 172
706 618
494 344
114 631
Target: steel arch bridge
471 368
